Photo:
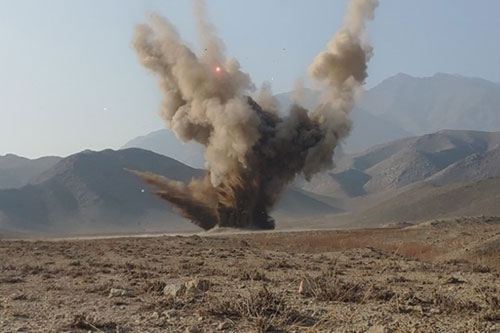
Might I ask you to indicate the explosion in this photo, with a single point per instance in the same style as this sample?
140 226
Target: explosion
251 152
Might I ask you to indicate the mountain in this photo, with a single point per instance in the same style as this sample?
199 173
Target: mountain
16 171
296 203
403 106
445 174
165 142
478 166
399 107
428 104
426 201
411 160
91 192
367 129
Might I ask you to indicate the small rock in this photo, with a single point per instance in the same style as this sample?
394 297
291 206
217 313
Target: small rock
171 314
434 311
223 325
174 289
118 292
306 287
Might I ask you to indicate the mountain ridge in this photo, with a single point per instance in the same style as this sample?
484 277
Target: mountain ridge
17 171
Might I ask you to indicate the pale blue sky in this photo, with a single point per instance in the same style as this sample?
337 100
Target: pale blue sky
69 79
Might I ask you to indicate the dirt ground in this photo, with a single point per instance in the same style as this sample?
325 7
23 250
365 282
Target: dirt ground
442 276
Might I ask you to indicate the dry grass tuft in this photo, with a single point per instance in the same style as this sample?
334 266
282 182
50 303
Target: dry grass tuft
155 287
450 304
264 310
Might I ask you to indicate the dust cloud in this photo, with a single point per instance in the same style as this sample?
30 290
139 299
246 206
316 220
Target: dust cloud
251 152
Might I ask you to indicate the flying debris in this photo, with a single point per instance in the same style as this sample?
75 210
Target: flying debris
251 152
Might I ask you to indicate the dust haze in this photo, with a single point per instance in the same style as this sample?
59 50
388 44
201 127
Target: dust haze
251 152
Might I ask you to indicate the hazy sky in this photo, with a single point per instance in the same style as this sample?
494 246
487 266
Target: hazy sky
69 79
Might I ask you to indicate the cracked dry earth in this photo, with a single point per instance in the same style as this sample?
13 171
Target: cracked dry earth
428 279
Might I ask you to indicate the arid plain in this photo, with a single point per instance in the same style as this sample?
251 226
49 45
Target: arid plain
438 276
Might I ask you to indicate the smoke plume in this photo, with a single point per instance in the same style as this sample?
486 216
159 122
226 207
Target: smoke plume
251 152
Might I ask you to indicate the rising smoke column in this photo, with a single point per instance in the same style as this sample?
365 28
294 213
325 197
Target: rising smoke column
251 152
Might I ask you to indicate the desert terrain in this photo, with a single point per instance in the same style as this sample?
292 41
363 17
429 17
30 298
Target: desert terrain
438 276
252 167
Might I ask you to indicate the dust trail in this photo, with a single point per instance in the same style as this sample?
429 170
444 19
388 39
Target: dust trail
251 152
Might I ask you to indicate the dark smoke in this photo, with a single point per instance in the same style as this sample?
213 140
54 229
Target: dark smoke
251 152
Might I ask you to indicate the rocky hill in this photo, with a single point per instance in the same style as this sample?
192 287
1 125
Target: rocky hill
443 157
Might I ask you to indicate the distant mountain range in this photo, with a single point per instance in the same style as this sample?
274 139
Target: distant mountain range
429 104
400 106
439 156
412 179
166 143
444 174
368 129
16 171
91 192
405 175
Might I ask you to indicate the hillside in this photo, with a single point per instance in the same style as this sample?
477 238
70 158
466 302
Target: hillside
165 142
367 129
16 171
408 161
481 165
429 104
427 201
296 203
91 192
